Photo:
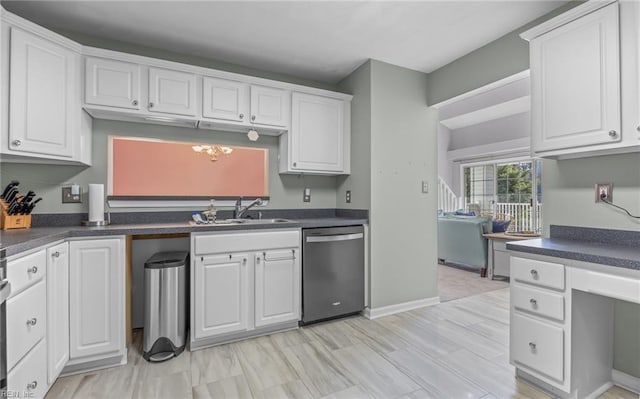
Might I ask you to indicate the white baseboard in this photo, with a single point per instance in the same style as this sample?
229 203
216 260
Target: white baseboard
400 307
596 394
626 381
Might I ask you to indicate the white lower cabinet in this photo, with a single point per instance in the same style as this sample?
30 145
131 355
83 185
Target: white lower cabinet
97 299
251 288
29 378
222 284
57 310
277 287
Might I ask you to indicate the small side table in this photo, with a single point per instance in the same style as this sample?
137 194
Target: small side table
498 262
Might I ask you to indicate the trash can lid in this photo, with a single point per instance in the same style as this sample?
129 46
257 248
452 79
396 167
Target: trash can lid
167 259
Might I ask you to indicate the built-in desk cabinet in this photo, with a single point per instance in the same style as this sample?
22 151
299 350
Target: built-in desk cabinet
244 284
579 107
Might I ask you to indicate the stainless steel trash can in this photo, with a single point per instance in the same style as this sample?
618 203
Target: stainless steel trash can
165 305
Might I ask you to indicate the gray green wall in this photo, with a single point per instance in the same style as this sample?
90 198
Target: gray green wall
393 150
285 190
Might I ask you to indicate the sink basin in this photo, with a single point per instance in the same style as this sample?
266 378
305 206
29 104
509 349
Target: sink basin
241 221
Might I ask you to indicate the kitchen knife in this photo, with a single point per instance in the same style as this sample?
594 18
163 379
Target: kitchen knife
13 209
12 194
13 183
27 198
33 205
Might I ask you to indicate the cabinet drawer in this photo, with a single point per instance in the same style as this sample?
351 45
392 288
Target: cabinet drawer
537 345
544 274
26 322
29 378
241 242
537 301
26 271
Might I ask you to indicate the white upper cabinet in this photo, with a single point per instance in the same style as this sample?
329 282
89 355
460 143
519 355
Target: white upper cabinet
112 83
172 92
42 96
226 100
579 107
270 106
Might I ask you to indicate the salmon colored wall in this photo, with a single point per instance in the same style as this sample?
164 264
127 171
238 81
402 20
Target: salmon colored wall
142 167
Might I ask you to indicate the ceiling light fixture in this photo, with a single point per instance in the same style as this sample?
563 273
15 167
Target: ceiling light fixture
212 150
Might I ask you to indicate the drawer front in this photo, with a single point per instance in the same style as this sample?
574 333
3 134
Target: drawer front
29 378
542 303
26 320
26 271
537 345
544 274
245 241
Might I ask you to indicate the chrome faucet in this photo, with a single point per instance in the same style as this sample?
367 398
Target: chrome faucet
239 210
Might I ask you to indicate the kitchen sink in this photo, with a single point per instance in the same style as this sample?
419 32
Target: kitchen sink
226 222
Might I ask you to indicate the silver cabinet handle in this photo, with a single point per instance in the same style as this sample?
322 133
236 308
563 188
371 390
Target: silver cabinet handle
295 164
33 270
533 302
56 254
32 322
241 116
532 345
258 259
244 261
150 105
134 102
638 128
253 117
613 133
534 273
16 143
32 385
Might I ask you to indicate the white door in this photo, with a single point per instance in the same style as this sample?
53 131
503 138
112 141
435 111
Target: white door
43 81
221 289
268 106
96 295
225 99
57 310
112 83
277 287
172 92
317 133
575 83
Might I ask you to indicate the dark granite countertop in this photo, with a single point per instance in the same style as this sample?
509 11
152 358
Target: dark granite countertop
617 248
17 241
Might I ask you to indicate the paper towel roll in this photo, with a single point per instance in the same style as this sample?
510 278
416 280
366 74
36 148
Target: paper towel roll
96 202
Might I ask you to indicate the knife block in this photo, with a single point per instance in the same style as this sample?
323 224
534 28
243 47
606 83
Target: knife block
13 221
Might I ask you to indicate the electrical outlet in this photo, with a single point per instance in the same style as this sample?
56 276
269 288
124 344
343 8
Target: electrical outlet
306 195
604 191
71 197
348 196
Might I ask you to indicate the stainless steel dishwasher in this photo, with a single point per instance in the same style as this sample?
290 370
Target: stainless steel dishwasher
332 272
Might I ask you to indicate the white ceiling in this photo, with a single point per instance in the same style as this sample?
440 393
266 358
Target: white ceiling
319 40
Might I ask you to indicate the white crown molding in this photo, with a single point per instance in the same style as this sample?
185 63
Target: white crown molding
484 89
374 313
502 110
565 18
24 24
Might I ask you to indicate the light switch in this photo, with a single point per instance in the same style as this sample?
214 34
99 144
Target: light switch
425 187
306 195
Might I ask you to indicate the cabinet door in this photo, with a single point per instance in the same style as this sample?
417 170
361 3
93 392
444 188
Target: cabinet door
172 92
96 295
269 106
57 310
575 83
221 289
277 287
112 83
225 99
42 96
317 133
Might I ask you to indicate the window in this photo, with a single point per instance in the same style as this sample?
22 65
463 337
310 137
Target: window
154 168
510 190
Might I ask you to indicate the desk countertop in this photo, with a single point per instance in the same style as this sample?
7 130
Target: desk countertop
623 252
